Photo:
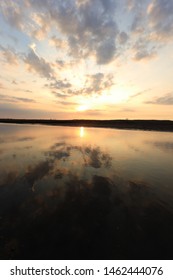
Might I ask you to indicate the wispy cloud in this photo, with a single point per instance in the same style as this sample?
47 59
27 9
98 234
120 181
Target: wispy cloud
127 110
163 100
9 55
139 93
60 95
160 18
14 99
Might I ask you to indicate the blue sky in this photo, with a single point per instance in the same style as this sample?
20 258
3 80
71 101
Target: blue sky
86 59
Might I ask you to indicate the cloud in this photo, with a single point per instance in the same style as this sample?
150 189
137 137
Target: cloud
27 90
144 54
24 99
139 93
80 30
106 51
89 27
14 99
42 28
97 83
13 13
127 110
151 28
143 49
60 64
123 38
132 4
60 84
67 103
58 43
160 13
164 100
60 95
39 65
35 63
23 90
139 19
23 139
10 55
94 84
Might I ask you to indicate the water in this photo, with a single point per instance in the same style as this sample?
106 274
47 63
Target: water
85 193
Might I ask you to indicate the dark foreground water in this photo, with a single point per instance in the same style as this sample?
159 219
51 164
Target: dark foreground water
85 193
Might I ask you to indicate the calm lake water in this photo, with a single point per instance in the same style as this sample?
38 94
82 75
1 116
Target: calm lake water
85 193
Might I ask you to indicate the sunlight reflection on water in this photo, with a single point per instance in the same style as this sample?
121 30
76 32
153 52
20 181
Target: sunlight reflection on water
82 132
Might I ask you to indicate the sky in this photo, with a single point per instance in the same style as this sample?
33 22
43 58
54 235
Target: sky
92 59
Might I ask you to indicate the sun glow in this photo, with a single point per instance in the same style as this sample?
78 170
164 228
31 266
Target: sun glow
82 108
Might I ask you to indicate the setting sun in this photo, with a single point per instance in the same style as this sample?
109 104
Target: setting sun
82 108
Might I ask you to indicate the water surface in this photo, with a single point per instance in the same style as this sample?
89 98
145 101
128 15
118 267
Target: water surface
85 193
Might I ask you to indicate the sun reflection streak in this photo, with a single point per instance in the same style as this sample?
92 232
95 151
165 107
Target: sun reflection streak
82 132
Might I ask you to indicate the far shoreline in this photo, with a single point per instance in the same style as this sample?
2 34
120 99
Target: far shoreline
146 125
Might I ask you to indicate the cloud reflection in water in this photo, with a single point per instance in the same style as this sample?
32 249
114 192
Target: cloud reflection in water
69 203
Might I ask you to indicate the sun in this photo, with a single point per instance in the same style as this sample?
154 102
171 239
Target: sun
82 108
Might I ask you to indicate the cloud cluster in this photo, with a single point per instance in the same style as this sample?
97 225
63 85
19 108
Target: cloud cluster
92 29
89 27
98 82
90 156
60 84
95 84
